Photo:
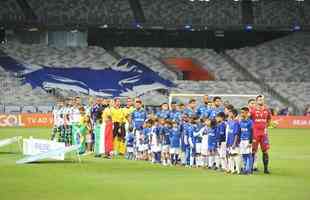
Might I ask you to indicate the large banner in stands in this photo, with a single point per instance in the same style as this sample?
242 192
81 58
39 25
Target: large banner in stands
26 120
292 121
127 78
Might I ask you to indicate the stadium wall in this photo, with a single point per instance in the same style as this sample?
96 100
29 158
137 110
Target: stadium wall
26 120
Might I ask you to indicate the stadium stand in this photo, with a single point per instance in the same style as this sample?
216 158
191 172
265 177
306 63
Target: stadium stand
224 12
208 58
278 13
38 54
13 92
160 12
83 11
10 10
307 12
284 59
298 92
139 54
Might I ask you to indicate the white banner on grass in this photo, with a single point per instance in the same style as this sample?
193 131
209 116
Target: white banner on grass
9 141
48 155
33 147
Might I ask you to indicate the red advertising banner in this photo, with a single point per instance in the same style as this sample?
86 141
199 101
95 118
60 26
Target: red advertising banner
292 121
26 120
37 120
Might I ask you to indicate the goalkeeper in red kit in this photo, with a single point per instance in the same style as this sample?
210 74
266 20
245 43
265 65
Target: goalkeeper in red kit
261 117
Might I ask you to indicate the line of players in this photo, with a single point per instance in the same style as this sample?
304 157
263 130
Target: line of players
211 135
71 118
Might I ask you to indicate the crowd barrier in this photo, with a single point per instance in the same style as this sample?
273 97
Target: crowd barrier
46 120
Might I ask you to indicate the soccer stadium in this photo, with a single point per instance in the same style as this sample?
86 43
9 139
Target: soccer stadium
154 99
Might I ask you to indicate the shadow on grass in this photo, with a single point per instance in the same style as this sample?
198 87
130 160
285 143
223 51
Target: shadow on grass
58 162
9 153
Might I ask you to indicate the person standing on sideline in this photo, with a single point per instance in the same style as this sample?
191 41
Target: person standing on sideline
118 119
261 117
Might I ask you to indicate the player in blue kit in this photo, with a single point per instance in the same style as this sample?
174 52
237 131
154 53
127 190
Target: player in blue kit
165 138
188 129
174 114
130 139
194 140
156 140
191 110
146 134
203 111
163 113
212 142
138 117
203 132
217 108
233 133
183 124
197 137
246 135
175 142
221 139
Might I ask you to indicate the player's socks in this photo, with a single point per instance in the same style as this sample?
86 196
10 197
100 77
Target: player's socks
176 159
157 157
266 161
250 160
199 161
237 163
164 162
231 164
211 161
191 162
245 160
168 162
224 163
254 156
207 161
217 161
203 161
183 162
172 157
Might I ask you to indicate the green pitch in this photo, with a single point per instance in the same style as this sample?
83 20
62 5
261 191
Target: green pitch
96 178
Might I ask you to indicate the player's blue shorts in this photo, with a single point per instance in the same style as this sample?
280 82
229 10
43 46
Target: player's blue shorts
212 145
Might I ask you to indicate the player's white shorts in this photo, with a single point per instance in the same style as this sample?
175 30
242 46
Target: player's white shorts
129 149
140 148
204 145
145 147
89 138
245 147
222 150
165 149
156 148
233 151
174 150
199 148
